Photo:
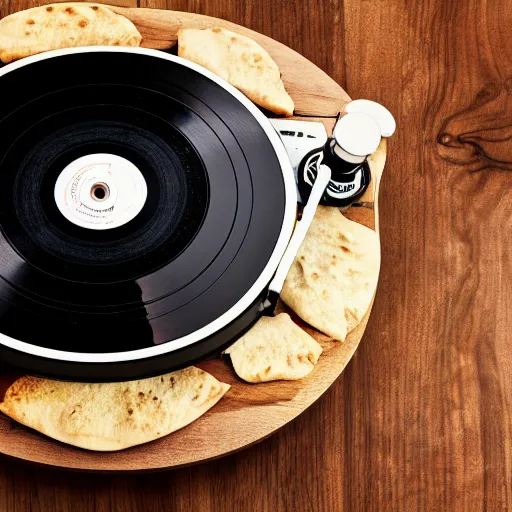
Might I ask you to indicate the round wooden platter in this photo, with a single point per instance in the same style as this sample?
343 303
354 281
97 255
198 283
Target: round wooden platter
249 412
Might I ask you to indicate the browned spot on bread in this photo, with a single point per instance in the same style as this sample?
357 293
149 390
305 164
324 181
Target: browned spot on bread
314 275
289 359
267 370
300 357
345 249
213 393
69 10
171 380
216 30
24 386
161 379
141 393
130 411
27 33
196 397
116 43
155 398
301 268
233 39
245 57
82 23
94 7
49 9
257 58
30 22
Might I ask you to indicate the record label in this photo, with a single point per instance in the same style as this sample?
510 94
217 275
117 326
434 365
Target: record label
100 191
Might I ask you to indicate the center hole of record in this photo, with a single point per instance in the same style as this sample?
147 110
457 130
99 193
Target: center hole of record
100 192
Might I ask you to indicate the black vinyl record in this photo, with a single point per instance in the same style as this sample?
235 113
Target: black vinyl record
216 207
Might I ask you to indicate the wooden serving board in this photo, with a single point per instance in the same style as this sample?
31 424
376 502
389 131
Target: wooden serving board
249 412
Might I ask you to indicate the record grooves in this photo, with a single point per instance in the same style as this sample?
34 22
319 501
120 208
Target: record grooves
207 227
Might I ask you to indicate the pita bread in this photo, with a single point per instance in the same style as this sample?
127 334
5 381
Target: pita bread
334 276
63 26
240 61
274 349
107 417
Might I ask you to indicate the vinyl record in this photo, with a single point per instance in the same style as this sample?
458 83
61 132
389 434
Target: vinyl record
144 206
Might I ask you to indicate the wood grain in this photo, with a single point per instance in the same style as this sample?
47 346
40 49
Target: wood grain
420 420
432 384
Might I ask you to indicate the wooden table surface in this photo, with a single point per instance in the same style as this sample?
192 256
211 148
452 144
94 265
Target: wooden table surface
421 419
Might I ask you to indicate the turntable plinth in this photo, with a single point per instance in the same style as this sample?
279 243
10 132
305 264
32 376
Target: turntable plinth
249 413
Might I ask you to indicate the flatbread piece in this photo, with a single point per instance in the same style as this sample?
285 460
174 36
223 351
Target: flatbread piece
334 276
63 26
240 61
113 416
274 349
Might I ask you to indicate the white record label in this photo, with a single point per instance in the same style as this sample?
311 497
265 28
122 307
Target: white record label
100 191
